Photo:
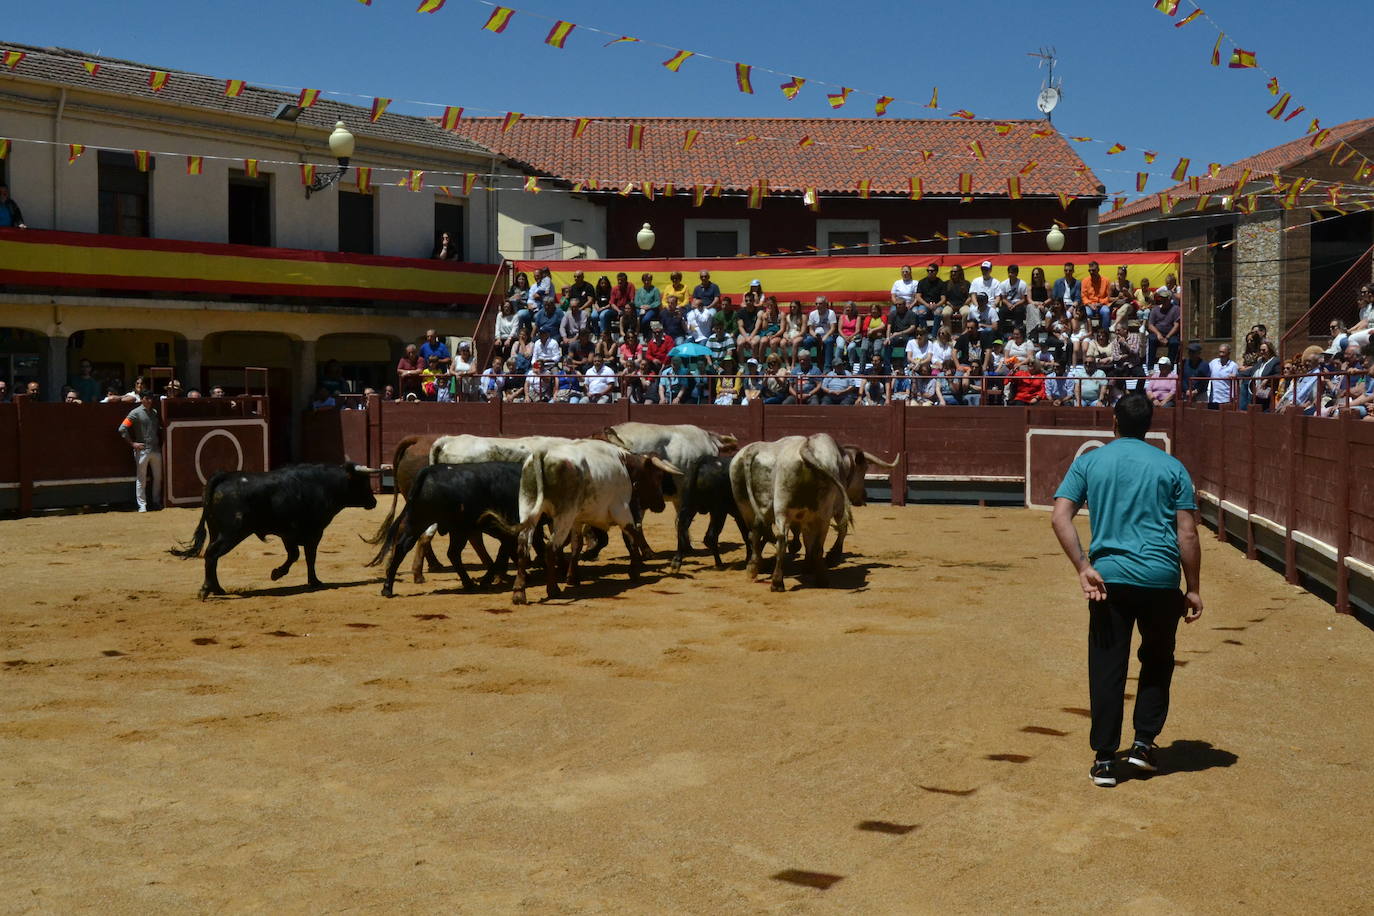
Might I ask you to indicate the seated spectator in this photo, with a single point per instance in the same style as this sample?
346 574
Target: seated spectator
507 328
581 350
492 385
639 381
942 347
1089 381
193 393
567 384
433 351
747 323
674 324
1162 385
1193 373
1013 298
699 321
323 399
409 370
769 324
901 330
519 293
112 395
1097 296
11 217
1028 383
728 316
849 335
1019 347
602 294
676 287
753 381
900 384
608 349
1099 347
924 390
538 386
959 294
69 395
547 352
673 382
776 380
173 389
1357 394
464 373
389 393
918 348
629 351
658 345
575 322
874 386
729 385
1059 388
601 381
522 351
793 332
1128 350
930 304
947 386
805 383
822 326
719 343
838 387
548 318
648 300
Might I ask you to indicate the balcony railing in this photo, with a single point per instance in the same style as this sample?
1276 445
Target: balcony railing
81 261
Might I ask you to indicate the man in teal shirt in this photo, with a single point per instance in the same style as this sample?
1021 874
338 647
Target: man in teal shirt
1144 526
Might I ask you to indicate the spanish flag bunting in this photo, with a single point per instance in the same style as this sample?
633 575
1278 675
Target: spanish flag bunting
511 119
756 193
1320 137
1029 167
1065 200
452 115
1014 188
1203 201
863 187
1167 7
1024 228
698 194
1194 182
5 152
677 60
964 113
616 41
1241 59
1001 128
250 168
1240 182
976 148
12 58
1042 132
307 173
865 149
627 190
142 159
430 6
1150 156
580 127
91 67
837 99
1273 85
379 108
365 2
414 180
1276 110
965 182
157 80
1060 223
634 137
792 87
195 165
926 154
880 106
689 140
559 33
308 98
1214 169
1140 180
1315 125
915 188
1115 148
74 151
941 236
1181 170
1333 195
469 179
1166 203
806 141
749 139
445 190
911 238
963 234
1349 152
532 185
648 189
1216 50
1336 151
579 186
715 189
233 88
1081 139
669 190
1083 169
1365 169
742 78
1118 203
364 177
1290 200
499 19
1187 19
1294 113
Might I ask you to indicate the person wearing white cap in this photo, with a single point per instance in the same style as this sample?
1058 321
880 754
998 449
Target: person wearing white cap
1162 385
985 284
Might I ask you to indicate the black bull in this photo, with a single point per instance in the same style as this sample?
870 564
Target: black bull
295 503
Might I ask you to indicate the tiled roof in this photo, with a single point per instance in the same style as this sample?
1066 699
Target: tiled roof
1261 165
836 161
60 66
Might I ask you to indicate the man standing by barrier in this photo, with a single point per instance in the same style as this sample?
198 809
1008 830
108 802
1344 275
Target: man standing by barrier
1144 526
142 430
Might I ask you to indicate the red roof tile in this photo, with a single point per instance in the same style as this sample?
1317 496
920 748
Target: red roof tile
835 162
1261 165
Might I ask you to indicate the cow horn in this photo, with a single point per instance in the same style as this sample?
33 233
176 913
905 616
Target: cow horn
874 459
666 466
366 470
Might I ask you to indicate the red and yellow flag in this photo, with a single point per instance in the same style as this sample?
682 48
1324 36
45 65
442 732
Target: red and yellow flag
250 168
934 98
941 236
1024 227
74 152
142 159
195 165
1166 203
1029 167
499 19
157 80
634 138
616 41
91 67
1276 110
715 188
1333 195
1194 182
5 153
806 141
1294 113
511 119
233 88
964 113
378 108
837 99
811 199
1214 169
452 115
677 60
558 35
627 190
1241 59
1140 180
1181 170
749 139
364 179
1115 148
1272 85
915 188
307 173
792 87
647 189
689 140
429 6
1014 188
863 187
308 98
1001 128
1349 152
1081 139
965 182
1167 7
1065 200
580 127
742 78
1189 18
414 180
1150 156
469 179
1240 183
976 148
1321 137
1203 201
756 194
532 185
13 58
698 194
1041 133
1216 50
668 190
880 106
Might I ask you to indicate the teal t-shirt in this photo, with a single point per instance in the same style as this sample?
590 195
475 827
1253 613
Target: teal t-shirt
1132 491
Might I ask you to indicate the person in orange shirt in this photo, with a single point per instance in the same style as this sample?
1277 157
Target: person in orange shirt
1097 296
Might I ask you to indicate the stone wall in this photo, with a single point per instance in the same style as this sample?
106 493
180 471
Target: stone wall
1259 274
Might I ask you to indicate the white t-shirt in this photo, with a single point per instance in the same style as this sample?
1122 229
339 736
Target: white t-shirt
904 289
599 383
1220 388
939 353
820 324
1022 351
916 351
988 288
547 351
1013 290
699 323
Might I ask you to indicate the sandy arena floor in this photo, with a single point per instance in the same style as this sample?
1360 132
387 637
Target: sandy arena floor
912 740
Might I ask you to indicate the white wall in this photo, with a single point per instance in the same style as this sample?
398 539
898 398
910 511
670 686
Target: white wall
583 223
405 222
194 208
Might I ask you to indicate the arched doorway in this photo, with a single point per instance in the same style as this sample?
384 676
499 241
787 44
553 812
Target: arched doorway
116 356
21 357
224 357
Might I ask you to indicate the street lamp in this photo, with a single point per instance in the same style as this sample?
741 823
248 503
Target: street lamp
341 144
645 238
1054 239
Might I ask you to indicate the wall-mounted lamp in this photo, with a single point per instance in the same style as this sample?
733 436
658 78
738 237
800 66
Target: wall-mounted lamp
341 144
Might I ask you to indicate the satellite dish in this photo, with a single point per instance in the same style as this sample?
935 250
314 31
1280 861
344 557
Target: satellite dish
1048 98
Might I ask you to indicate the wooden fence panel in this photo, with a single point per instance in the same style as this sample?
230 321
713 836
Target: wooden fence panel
959 443
866 427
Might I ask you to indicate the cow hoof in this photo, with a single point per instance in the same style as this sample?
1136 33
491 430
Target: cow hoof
833 558
419 578
555 591
386 592
315 583
204 593
675 567
518 598
278 573
777 587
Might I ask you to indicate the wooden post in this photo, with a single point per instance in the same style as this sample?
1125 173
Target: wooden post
756 419
1250 552
896 444
1221 478
1346 428
24 447
1290 521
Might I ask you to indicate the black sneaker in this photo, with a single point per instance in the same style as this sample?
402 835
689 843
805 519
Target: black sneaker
1102 774
1142 757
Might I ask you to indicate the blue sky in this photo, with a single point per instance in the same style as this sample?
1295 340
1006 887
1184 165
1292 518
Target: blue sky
1129 76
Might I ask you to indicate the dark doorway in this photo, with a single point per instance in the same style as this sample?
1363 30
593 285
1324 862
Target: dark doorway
1223 281
250 210
122 194
1336 244
450 217
356 223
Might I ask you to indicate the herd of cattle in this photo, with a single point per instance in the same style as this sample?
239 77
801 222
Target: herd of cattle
541 494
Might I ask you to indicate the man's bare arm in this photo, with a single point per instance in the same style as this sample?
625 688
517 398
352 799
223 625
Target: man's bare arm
1190 555
1094 589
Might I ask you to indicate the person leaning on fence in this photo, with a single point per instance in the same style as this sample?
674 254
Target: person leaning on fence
142 429
1162 385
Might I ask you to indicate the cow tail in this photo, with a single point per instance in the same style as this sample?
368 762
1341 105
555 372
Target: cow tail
810 459
392 532
188 551
533 473
493 518
749 489
385 527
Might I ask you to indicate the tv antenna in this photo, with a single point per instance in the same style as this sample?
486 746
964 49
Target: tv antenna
1051 90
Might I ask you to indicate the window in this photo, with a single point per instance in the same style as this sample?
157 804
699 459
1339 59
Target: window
450 217
356 223
1223 280
122 195
715 238
250 210
983 236
544 242
1160 244
858 236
